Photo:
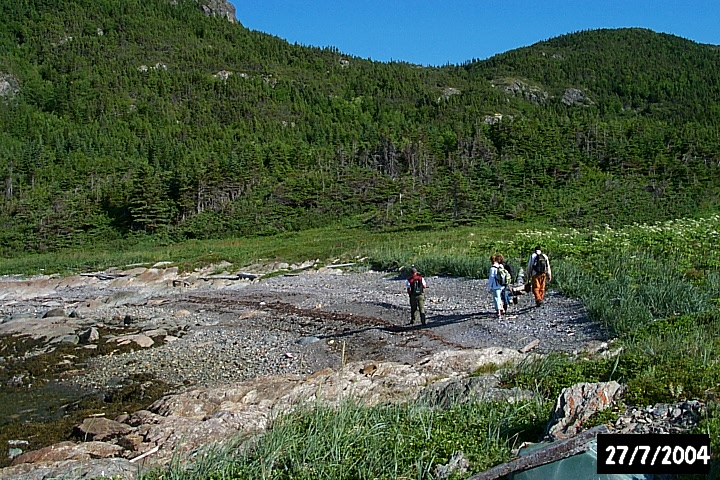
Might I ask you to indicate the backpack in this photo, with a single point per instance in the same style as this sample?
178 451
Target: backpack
509 268
416 286
503 277
541 264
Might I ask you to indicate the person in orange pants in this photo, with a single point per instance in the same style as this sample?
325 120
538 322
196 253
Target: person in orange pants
538 269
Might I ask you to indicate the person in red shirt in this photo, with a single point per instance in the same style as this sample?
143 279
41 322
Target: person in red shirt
415 286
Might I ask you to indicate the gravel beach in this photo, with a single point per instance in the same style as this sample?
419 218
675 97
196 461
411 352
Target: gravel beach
302 323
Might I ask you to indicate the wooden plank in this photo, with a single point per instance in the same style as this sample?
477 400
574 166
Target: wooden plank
553 452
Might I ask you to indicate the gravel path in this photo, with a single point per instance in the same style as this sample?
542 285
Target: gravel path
303 323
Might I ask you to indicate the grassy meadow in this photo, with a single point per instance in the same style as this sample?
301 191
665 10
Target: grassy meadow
656 288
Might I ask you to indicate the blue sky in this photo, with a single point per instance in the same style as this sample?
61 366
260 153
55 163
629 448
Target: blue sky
452 31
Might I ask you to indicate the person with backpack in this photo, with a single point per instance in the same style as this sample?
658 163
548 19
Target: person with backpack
538 269
498 279
508 281
415 286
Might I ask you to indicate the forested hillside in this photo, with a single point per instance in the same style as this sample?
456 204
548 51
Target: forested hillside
125 117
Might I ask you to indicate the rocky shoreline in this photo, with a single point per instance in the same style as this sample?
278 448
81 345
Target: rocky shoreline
230 348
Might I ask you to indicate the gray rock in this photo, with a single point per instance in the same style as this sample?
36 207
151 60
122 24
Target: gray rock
21 316
457 464
98 429
90 335
54 312
70 339
9 85
219 8
307 340
81 470
446 394
573 96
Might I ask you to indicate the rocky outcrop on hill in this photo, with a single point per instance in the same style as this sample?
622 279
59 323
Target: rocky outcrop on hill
575 97
518 88
218 8
9 85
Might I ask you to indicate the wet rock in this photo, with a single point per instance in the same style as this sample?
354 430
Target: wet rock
21 316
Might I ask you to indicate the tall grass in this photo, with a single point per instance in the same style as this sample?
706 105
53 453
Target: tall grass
382 442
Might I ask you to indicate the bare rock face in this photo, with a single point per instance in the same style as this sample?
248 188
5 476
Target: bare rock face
573 96
577 404
218 8
9 85
518 88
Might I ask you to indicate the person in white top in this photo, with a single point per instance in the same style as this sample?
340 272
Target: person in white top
494 286
538 269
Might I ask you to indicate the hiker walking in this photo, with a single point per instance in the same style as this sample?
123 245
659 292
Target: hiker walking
506 288
538 269
498 279
415 286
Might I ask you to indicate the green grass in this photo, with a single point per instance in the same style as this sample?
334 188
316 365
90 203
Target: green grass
454 251
385 442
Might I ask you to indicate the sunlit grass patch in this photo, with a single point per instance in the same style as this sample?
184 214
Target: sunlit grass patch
385 442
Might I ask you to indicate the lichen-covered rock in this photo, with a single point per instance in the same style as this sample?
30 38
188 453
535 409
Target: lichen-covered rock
577 404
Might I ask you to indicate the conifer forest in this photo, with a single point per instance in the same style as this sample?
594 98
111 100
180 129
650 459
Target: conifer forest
124 118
